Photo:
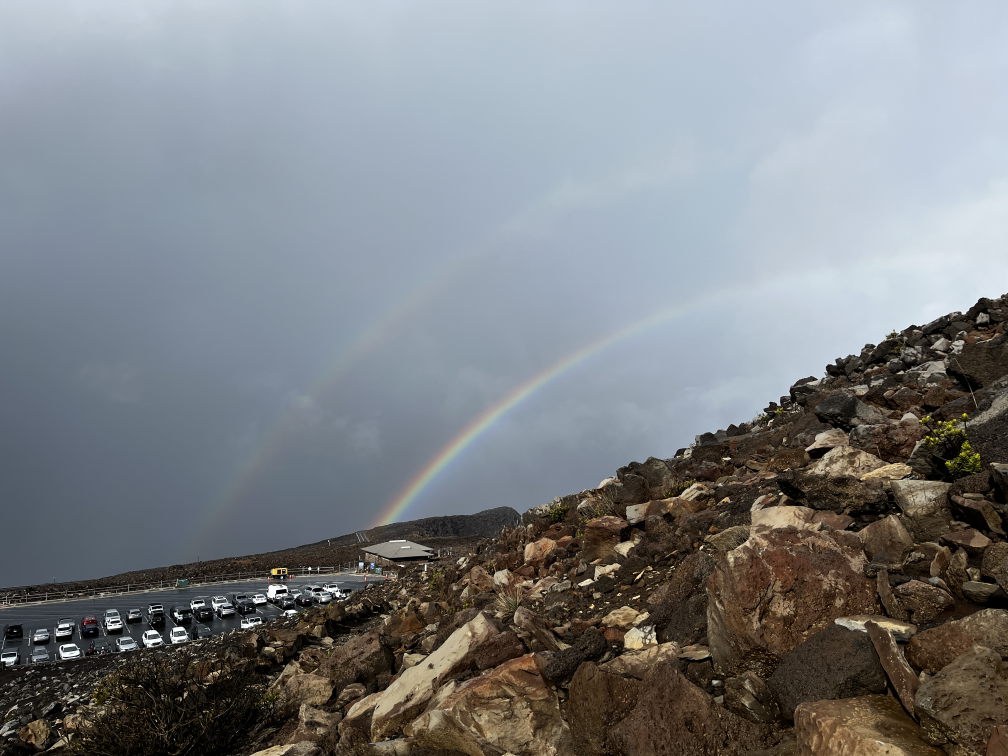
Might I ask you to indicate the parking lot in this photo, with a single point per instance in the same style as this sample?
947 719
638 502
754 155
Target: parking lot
47 615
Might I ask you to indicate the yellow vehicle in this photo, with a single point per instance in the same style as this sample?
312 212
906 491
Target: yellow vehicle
278 573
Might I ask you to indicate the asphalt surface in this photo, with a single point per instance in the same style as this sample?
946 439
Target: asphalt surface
48 614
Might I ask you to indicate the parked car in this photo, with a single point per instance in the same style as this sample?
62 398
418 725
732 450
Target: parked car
155 616
10 657
222 607
203 614
68 651
89 625
13 632
285 602
151 639
113 622
39 655
290 613
40 636
245 605
126 643
196 603
201 631
178 635
181 614
134 615
336 592
248 623
259 599
305 598
322 597
65 628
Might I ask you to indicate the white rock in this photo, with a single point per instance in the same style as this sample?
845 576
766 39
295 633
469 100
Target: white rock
902 631
772 518
637 638
602 571
846 461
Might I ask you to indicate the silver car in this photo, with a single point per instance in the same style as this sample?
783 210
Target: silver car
126 643
39 654
40 636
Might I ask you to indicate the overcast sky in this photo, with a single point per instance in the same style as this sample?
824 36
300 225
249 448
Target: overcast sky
260 263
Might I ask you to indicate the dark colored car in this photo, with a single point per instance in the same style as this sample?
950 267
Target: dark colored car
13 632
182 615
201 631
203 614
155 617
306 598
245 606
285 602
89 625
134 615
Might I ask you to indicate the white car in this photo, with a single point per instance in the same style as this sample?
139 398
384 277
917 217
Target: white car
68 651
179 635
65 628
259 599
113 622
222 607
152 639
41 636
10 657
250 621
197 603
290 613
126 643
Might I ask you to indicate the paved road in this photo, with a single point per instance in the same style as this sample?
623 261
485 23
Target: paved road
47 614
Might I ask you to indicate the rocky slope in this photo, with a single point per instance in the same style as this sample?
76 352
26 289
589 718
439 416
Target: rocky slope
829 578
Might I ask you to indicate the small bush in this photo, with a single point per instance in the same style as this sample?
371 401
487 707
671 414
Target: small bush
967 462
508 601
558 513
947 441
172 704
680 485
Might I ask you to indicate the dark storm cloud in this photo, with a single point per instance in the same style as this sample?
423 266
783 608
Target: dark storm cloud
259 264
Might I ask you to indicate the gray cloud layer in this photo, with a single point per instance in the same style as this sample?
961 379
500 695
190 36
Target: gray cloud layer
260 263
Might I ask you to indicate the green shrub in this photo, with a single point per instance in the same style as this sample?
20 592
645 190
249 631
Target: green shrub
558 512
946 439
967 462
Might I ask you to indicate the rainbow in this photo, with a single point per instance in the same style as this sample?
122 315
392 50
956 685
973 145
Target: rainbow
520 393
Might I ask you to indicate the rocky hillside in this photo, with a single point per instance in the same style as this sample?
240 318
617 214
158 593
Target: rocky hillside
829 578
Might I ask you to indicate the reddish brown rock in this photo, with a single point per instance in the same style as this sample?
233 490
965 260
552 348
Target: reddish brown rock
975 543
900 674
924 601
933 649
886 540
598 701
673 716
360 659
892 442
601 537
779 588
536 551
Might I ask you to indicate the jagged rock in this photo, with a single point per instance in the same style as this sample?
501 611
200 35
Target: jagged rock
360 659
973 542
509 709
890 603
833 663
588 646
749 697
623 618
729 538
771 518
408 694
893 471
36 735
902 631
843 410
965 700
601 536
777 589
933 649
480 579
999 474
925 507
636 664
847 495
350 694
825 441
981 364
886 540
924 601
687 622
310 689
599 699
982 593
358 717
536 551
998 743
892 442
675 716
846 460
901 675
995 564
955 574
641 637
867 726
980 514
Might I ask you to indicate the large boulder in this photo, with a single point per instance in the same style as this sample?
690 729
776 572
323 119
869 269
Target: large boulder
409 693
310 689
359 660
846 460
833 663
846 411
672 715
867 726
510 709
965 701
925 507
779 588
933 649
599 700
893 442
995 564
925 602
601 537
904 681
886 540
982 363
